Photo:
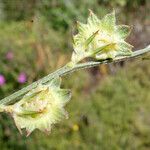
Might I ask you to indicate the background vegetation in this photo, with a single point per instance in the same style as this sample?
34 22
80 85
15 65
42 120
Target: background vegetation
109 109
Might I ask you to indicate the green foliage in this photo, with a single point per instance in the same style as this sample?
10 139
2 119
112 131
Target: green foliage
60 12
109 114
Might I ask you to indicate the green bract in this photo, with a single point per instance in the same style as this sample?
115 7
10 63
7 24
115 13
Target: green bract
41 107
100 39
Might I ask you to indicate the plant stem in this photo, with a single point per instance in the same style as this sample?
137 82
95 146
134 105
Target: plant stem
66 70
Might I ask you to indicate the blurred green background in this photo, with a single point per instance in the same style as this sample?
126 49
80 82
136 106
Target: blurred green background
110 106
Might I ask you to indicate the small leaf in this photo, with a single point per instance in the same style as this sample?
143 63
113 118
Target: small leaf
24 112
90 39
102 48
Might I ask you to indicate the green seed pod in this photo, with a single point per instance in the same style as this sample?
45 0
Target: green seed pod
100 39
41 108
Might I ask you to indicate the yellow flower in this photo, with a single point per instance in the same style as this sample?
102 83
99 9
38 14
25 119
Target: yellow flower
75 127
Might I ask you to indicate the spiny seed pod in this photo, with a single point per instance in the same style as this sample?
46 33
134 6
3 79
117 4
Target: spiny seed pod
41 108
100 39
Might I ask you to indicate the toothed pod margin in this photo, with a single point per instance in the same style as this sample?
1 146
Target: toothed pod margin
41 108
100 39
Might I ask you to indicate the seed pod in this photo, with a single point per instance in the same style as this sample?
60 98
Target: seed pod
100 39
41 108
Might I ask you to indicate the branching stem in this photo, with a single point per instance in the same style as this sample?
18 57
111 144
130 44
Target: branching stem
66 70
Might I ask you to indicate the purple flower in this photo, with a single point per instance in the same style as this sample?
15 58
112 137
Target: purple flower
2 80
9 55
22 78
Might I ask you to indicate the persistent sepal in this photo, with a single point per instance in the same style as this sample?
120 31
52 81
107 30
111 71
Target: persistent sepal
100 39
41 107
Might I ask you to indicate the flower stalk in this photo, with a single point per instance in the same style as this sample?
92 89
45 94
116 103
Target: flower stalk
67 69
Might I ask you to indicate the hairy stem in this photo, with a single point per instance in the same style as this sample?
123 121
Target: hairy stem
66 70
